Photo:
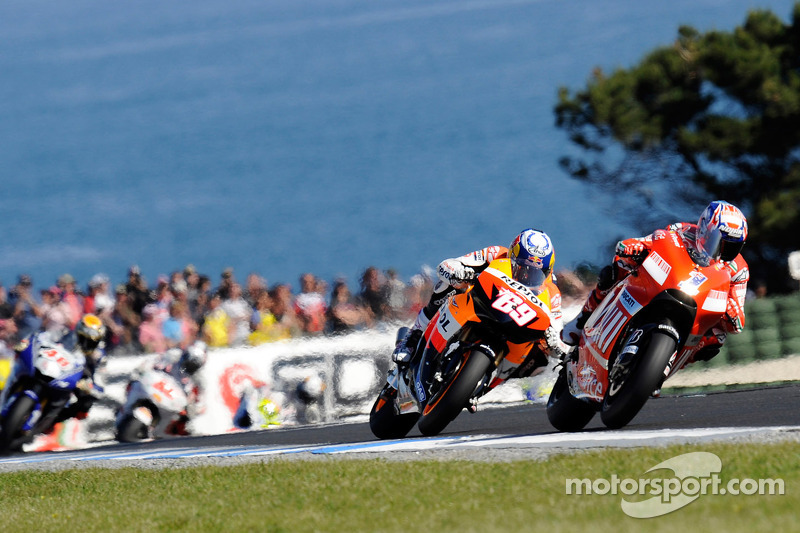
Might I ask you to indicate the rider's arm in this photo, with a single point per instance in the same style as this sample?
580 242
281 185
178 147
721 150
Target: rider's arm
458 271
733 321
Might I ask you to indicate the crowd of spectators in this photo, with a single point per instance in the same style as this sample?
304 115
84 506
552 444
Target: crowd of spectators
185 306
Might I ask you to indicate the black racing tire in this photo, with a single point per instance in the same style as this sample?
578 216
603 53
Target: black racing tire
445 405
11 437
384 422
566 412
131 429
620 406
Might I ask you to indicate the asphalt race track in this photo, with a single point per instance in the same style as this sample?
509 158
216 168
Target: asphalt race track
754 411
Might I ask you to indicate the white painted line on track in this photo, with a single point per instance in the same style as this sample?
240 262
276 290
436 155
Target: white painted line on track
588 439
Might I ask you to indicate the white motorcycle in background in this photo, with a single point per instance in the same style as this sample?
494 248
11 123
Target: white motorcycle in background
156 402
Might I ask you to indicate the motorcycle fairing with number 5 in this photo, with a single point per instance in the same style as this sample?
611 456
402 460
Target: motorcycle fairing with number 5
475 342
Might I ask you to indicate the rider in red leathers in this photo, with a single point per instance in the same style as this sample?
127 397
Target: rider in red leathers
531 247
717 238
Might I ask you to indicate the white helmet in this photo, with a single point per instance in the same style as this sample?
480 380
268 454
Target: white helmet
194 357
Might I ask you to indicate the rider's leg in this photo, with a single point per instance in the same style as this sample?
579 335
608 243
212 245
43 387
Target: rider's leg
571 333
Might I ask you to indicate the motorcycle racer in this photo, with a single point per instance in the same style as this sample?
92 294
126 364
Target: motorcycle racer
183 365
717 239
532 257
88 338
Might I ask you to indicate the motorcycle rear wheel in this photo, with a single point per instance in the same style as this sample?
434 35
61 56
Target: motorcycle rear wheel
448 402
384 422
564 411
619 409
11 438
131 429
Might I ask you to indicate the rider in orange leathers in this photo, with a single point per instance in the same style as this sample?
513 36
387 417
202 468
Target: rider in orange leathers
716 239
532 258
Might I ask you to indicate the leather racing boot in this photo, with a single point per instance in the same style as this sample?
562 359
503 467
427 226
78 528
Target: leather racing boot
406 348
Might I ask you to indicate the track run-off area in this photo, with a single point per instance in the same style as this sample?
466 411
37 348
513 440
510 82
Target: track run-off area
515 432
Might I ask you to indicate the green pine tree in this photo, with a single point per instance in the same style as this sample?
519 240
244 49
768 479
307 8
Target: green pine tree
714 115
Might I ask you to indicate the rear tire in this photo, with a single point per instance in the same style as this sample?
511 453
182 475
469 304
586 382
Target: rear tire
647 376
384 422
11 437
566 412
131 429
444 406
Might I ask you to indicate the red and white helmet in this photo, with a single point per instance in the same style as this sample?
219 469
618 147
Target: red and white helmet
721 231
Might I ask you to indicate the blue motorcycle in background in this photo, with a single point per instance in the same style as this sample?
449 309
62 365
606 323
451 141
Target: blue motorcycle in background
40 386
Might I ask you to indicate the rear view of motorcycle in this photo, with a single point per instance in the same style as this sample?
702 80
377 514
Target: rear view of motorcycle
39 387
477 340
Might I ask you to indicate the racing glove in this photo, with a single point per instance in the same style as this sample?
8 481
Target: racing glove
735 316
555 347
631 248
455 273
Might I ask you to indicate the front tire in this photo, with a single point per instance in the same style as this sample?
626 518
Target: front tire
446 404
384 422
11 437
564 411
629 397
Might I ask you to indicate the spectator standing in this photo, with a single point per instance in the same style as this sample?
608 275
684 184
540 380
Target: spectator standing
173 326
216 329
129 320
265 326
104 310
137 291
373 293
239 312
163 297
6 309
72 298
344 314
192 279
309 306
395 296
55 319
254 286
151 334
225 282
8 337
418 294
27 310
97 292
283 308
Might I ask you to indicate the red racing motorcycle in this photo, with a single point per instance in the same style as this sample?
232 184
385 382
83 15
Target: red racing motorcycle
642 332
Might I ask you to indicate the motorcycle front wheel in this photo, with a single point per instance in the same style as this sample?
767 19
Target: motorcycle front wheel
11 437
384 422
624 400
454 393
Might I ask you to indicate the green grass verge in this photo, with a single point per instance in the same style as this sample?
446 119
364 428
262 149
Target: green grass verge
376 495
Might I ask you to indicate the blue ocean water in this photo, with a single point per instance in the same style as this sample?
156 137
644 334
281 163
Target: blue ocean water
316 135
